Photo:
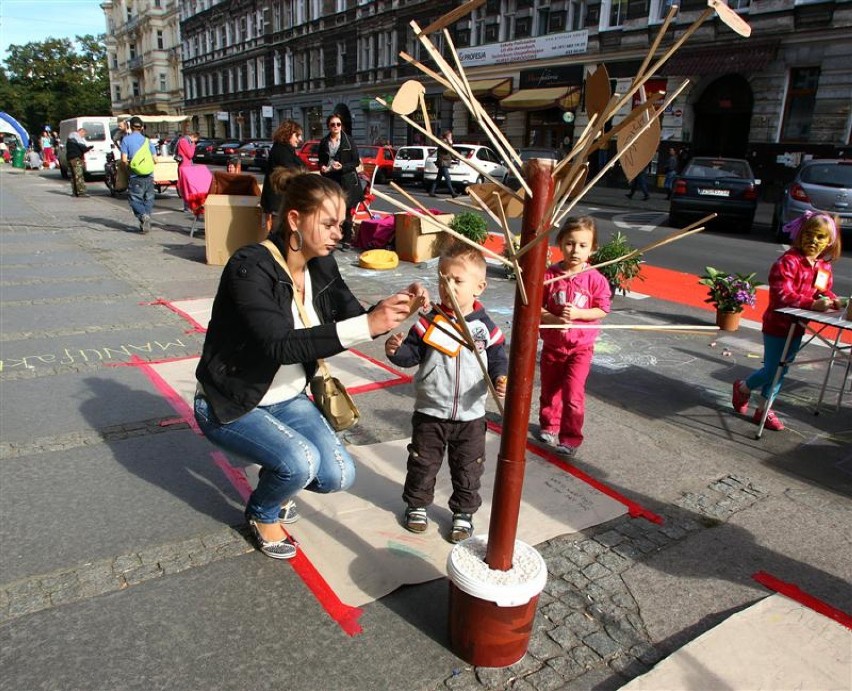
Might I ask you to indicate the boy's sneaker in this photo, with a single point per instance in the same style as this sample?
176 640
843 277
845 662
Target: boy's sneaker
739 400
566 451
462 527
416 520
772 421
549 438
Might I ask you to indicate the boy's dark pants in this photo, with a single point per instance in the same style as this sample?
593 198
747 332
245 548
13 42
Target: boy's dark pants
464 442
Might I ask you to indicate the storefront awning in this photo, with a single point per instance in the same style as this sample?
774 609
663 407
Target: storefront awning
565 97
743 59
485 88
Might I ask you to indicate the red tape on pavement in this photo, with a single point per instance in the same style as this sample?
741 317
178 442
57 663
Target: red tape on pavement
795 593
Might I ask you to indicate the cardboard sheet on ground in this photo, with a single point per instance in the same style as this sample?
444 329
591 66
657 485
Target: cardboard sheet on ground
774 644
357 542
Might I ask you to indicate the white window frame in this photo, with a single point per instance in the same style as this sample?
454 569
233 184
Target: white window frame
606 9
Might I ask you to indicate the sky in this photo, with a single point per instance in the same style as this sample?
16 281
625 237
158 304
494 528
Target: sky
23 21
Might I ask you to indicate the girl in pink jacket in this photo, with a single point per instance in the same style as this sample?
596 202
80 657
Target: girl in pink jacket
801 277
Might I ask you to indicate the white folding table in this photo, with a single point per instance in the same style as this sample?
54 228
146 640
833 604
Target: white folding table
815 323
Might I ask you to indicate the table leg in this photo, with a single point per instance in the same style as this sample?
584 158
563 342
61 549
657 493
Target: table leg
775 378
828 372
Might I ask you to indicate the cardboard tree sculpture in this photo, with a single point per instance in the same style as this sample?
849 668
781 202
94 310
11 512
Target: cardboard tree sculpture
491 614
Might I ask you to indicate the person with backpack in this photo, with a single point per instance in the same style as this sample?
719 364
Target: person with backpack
137 152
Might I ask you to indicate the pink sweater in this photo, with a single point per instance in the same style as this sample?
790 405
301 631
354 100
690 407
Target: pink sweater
585 290
791 284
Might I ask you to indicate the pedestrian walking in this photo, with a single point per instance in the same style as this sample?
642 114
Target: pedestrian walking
184 153
449 412
137 153
444 159
339 160
802 278
670 171
640 182
583 295
259 356
48 155
75 151
282 156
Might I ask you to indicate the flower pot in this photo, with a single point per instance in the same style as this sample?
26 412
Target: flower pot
728 321
492 612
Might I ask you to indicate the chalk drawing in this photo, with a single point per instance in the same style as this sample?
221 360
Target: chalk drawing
70 356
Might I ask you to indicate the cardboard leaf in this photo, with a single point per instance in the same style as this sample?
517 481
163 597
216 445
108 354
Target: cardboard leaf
512 207
597 91
639 154
731 18
408 97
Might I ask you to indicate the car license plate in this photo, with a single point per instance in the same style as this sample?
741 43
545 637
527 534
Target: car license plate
715 193
408 175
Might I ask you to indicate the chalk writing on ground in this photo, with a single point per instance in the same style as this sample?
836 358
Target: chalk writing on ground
71 356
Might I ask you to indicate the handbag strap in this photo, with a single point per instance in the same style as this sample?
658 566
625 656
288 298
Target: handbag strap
303 313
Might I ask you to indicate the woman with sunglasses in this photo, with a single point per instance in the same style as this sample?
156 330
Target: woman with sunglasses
339 161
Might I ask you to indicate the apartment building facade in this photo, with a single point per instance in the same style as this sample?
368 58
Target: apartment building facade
783 93
143 56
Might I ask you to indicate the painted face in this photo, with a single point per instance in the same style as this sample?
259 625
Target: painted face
468 282
576 248
814 241
321 230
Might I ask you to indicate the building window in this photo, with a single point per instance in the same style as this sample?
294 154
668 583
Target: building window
136 90
340 5
613 13
523 27
542 21
161 43
462 38
576 15
158 3
114 61
660 8
341 57
492 33
117 92
739 4
799 108
132 49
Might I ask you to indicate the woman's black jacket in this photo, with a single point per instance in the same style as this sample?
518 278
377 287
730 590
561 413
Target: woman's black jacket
281 155
346 177
251 328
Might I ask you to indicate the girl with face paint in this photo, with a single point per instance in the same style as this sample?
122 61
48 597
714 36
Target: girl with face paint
802 278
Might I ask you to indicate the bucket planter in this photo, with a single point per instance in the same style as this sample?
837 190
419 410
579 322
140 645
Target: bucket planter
728 321
492 612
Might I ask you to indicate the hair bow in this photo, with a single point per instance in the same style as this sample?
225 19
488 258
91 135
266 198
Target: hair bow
793 228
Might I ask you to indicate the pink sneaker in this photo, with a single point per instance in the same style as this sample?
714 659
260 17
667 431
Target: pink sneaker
772 421
739 400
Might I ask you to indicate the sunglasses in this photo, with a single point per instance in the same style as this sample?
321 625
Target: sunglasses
336 124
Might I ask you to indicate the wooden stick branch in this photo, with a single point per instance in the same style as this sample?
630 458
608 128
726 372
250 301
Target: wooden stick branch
682 328
442 226
510 248
453 16
462 324
441 143
452 332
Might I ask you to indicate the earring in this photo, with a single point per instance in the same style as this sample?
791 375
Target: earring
297 234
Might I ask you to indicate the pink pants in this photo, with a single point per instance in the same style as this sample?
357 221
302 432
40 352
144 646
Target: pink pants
562 406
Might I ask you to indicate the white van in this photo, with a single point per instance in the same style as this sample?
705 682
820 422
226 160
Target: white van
99 134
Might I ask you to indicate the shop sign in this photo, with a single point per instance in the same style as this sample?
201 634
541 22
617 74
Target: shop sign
266 111
538 48
546 77
369 103
222 116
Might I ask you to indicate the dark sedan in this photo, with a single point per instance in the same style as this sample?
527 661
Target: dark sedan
725 186
204 150
255 155
225 150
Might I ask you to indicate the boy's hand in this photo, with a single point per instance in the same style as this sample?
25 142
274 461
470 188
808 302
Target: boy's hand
393 343
500 386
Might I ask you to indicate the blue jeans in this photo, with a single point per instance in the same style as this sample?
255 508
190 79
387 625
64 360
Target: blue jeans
292 442
443 174
773 347
140 190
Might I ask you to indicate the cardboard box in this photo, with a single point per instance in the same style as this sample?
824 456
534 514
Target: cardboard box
230 221
165 169
417 237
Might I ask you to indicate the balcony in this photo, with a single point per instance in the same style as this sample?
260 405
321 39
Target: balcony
135 64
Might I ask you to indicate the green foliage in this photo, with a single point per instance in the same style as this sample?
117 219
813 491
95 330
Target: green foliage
620 273
48 81
472 225
729 292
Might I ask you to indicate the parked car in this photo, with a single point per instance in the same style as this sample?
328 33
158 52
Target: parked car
526 155
309 153
204 150
725 186
225 150
486 159
254 154
409 161
822 184
380 157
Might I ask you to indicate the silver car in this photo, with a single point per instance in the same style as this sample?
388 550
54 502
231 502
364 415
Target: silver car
819 185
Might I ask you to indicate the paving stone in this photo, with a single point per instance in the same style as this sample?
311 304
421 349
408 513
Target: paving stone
646 652
623 633
218 539
614 562
675 532
201 557
557 586
67 594
612 584
628 551
644 545
566 666
579 557
559 566
125 563
578 580
24 603
635 621
522 685
591 547
464 680
556 611
658 538
585 656
525 666
625 601
58 581
543 647
574 599
492 677
630 528
628 666
595 571
143 573
610 538
602 644
581 624
600 679
546 679
564 636
176 564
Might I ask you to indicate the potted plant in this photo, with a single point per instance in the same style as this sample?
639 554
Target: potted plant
729 293
620 273
472 225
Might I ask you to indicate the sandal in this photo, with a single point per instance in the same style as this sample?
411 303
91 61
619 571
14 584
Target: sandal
416 520
462 527
277 549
